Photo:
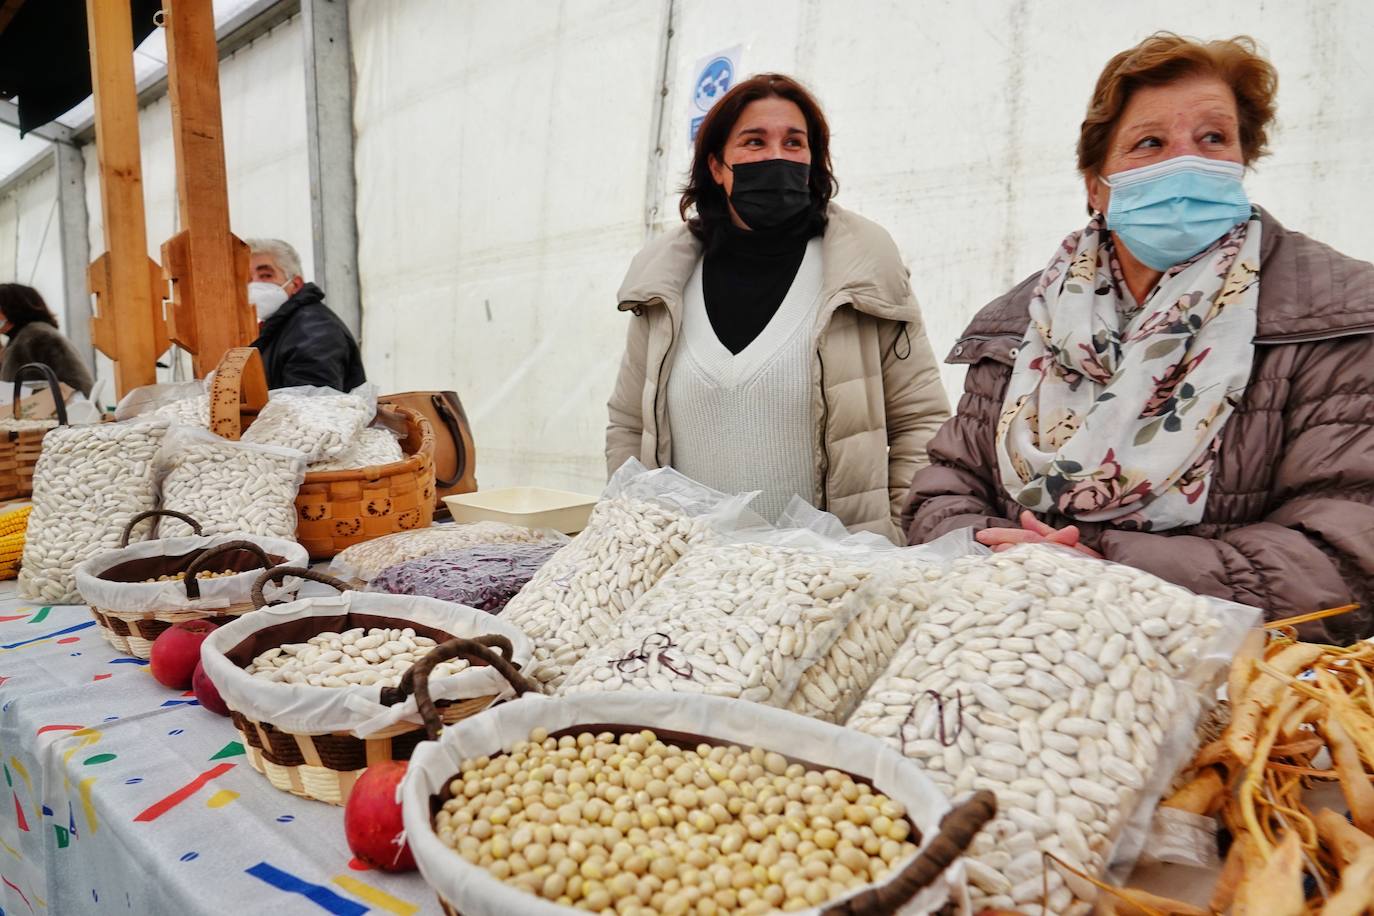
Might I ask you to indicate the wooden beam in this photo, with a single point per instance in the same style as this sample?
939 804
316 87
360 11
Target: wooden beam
128 326
205 262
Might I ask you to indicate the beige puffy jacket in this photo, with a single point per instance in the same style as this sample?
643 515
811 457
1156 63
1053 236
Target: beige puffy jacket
876 383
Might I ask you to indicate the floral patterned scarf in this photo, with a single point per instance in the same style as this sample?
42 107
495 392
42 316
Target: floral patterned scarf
1114 412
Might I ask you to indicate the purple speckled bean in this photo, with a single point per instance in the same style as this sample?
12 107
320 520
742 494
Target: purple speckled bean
484 577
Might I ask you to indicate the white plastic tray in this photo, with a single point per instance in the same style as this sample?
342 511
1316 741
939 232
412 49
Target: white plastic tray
532 507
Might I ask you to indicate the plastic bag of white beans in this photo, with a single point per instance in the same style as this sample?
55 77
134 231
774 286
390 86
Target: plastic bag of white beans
740 620
645 522
888 608
88 483
229 487
320 422
1068 686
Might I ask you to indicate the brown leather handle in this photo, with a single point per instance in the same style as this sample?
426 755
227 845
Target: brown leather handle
154 513
416 677
455 431
957 829
54 386
277 573
193 584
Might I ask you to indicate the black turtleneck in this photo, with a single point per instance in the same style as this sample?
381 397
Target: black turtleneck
747 274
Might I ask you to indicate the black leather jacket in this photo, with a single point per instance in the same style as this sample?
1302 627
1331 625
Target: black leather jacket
305 343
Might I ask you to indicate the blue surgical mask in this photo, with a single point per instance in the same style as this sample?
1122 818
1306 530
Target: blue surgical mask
1167 212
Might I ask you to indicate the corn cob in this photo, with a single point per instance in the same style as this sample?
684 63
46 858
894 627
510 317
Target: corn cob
13 526
15 521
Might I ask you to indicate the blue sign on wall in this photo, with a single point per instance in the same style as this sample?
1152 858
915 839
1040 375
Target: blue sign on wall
712 78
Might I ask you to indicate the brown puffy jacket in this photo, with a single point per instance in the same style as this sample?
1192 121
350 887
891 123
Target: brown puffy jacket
1289 521
876 390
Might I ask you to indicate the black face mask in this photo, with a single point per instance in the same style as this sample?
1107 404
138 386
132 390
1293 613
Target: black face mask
767 194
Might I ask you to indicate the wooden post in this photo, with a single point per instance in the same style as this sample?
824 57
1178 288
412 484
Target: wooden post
128 326
207 265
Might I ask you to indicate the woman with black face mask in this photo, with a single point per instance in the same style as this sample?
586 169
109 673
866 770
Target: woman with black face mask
776 344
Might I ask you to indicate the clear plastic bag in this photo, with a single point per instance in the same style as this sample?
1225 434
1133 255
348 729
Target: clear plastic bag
229 487
485 577
1070 687
373 447
88 483
175 400
320 422
737 619
364 562
644 523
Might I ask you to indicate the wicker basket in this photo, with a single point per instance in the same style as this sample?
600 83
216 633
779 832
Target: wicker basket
325 765
20 448
133 612
930 883
336 509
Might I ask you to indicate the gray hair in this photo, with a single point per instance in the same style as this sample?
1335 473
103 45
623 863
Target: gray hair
286 258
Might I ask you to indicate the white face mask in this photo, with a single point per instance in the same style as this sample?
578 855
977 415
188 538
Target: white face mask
266 298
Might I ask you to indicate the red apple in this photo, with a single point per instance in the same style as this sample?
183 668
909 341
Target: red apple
176 652
206 691
372 818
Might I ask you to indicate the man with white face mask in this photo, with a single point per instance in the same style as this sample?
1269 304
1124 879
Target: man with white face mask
302 341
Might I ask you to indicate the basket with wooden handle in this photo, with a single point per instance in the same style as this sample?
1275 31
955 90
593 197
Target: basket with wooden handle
314 740
930 881
336 509
21 440
139 590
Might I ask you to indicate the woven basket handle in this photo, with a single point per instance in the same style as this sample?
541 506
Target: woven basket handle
154 513
193 584
957 829
239 388
50 377
416 677
277 573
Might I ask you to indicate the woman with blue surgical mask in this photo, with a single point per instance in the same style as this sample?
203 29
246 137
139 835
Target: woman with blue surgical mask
1188 386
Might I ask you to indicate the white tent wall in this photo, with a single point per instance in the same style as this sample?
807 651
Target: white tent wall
30 239
505 167
502 158
262 93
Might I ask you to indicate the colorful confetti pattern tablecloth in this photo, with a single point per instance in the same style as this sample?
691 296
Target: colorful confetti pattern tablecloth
128 797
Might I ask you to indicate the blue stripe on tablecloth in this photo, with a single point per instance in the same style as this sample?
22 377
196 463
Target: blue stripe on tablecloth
321 896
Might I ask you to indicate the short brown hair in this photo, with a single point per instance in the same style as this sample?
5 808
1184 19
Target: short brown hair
1165 57
707 197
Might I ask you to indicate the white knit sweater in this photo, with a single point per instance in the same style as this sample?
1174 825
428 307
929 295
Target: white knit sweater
743 421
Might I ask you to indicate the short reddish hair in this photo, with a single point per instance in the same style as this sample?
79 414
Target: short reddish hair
1165 57
703 203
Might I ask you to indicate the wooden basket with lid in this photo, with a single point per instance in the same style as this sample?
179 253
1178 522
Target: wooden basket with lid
336 509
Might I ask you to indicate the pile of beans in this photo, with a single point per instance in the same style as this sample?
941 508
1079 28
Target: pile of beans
573 602
372 447
1051 680
203 574
594 821
322 427
737 620
374 657
88 483
831 688
366 561
231 488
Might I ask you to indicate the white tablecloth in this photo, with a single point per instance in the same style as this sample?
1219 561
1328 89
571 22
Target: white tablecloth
129 797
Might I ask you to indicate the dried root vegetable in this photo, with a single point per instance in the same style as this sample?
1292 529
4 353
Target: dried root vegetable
1295 706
